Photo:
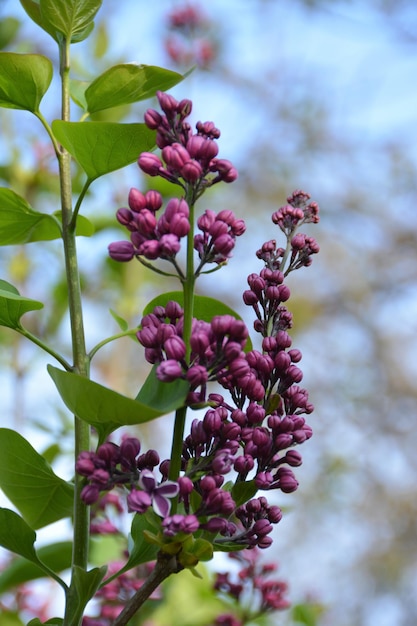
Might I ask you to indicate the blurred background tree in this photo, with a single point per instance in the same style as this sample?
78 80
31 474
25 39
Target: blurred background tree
314 94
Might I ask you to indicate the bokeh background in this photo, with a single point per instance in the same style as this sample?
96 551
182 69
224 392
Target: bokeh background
313 94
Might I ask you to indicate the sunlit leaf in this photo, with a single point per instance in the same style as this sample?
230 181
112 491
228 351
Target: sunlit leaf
108 410
29 482
102 147
24 80
126 83
72 19
9 27
13 305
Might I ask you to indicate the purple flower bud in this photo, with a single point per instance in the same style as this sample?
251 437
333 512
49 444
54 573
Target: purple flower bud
90 494
175 348
226 172
293 458
138 501
146 222
149 249
175 156
250 298
262 527
202 148
244 464
152 119
286 480
85 464
109 453
150 163
177 523
224 244
153 200
136 200
263 480
274 514
121 251
191 171
129 450
186 485
100 476
167 103
168 371
206 220
169 245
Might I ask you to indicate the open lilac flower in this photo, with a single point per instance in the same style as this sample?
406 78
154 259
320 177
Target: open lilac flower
152 494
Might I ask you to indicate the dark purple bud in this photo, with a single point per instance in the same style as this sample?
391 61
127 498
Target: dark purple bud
262 527
295 355
129 450
224 244
287 481
169 245
109 452
263 480
152 119
153 200
167 103
125 217
293 458
244 464
149 249
90 494
100 476
255 413
185 485
264 542
173 310
85 464
150 163
206 220
250 298
175 156
138 501
197 375
274 514
207 483
136 200
121 251
146 222
168 371
202 148
175 348
184 108
191 171
226 172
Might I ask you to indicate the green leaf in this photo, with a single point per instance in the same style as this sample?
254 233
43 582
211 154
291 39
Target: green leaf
19 223
122 323
84 586
102 147
70 19
108 410
13 305
9 27
162 395
127 83
30 483
24 80
54 621
142 551
56 557
16 535
205 308
243 491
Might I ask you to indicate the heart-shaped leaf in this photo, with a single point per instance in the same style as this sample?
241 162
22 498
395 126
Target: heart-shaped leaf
126 83
30 483
108 410
24 80
13 305
103 147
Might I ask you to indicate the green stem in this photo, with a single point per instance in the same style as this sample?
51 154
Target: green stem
188 289
81 364
126 333
26 333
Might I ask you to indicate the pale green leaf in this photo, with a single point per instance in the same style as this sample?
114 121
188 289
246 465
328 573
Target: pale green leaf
24 80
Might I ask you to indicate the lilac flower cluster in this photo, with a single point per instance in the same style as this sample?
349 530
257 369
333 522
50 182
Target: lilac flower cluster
189 160
252 592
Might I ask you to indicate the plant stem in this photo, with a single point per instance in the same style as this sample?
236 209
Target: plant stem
164 567
81 429
180 415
